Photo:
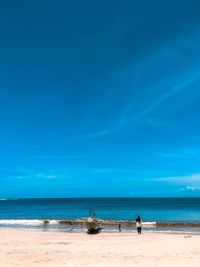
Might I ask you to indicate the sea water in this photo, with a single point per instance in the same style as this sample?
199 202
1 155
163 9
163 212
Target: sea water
176 214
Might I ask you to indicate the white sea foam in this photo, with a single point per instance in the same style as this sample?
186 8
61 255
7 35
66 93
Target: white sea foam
29 222
55 225
10 222
53 222
35 222
149 224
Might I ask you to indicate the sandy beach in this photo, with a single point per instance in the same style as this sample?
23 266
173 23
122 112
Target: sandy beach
53 249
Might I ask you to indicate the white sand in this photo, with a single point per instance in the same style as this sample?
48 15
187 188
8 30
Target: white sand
38 249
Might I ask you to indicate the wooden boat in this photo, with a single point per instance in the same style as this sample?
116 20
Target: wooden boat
92 224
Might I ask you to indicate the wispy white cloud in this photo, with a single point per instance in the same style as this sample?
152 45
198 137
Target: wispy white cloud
182 184
45 176
193 188
181 153
123 117
151 84
177 86
110 170
180 179
50 177
165 96
190 188
162 80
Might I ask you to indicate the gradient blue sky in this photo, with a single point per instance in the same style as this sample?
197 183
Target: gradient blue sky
99 98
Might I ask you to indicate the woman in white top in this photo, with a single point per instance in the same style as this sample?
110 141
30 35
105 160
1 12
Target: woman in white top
139 224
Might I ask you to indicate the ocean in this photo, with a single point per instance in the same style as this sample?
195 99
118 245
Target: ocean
67 214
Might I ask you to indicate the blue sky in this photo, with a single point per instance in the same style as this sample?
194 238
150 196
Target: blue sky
99 98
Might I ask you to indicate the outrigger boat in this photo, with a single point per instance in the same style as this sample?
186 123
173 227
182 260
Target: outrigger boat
92 223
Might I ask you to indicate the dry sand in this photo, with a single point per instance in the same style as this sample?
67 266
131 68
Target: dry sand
38 249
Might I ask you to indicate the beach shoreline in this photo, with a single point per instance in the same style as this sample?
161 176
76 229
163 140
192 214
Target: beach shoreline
19 248
78 225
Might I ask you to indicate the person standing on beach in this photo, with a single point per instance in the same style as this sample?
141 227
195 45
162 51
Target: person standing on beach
139 224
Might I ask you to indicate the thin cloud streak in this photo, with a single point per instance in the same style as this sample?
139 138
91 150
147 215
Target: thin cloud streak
193 188
181 153
148 109
123 118
153 105
178 179
44 176
107 170
176 83
165 96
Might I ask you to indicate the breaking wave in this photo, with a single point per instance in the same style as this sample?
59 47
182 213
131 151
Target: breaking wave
106 225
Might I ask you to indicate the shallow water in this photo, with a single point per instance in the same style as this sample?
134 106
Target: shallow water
30 213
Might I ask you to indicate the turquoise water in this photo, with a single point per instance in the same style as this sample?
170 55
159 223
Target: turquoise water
151 209
25 211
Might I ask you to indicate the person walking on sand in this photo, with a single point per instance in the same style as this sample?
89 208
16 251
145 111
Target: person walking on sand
139 224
